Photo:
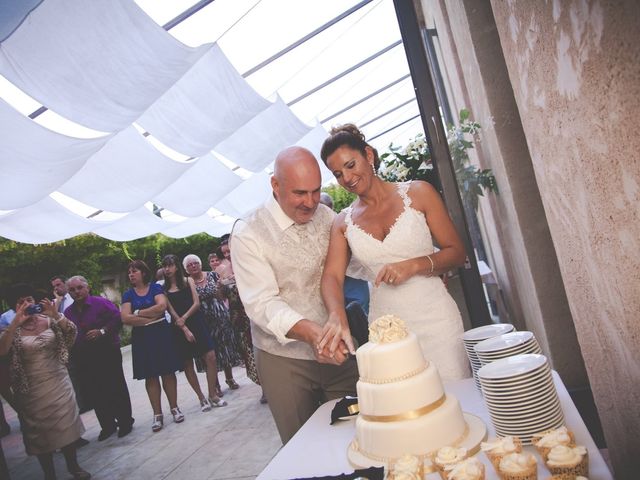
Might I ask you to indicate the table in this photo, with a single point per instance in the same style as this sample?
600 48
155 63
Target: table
319 448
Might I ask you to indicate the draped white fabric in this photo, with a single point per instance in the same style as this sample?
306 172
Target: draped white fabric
206 106
254 145
206 182
105 64
125 174
36 161
100 63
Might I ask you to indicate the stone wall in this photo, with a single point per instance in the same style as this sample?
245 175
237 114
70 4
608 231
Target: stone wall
575 70
515 229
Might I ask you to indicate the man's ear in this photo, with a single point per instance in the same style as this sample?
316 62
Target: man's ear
275 186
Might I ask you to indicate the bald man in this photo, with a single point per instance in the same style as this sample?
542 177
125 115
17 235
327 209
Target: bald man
278 254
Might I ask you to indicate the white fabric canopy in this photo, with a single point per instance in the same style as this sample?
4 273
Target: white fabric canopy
100 63
206 182
254 145
104 64
125 174
206 106
36 161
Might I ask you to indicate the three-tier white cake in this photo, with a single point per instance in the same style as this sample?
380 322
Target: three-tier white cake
403 406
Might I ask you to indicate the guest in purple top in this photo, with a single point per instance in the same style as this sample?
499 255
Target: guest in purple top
98 358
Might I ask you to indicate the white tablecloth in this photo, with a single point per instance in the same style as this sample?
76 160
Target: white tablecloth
321 449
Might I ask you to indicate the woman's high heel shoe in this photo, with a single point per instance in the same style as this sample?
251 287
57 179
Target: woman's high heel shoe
233 385
158 421
178 416
217 402
80 475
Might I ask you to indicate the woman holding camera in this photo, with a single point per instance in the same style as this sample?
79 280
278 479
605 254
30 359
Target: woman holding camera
38 341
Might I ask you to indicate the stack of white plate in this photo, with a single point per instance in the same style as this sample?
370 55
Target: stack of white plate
476 335
520 396
506 345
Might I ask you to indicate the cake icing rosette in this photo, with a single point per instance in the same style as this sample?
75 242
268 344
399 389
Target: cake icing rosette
387 329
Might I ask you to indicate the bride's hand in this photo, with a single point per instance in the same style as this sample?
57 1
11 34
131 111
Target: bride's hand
334 331
395 273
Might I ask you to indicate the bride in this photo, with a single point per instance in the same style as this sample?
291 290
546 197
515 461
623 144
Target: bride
389 230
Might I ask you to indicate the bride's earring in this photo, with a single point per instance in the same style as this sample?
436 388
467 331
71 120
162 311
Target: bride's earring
373 167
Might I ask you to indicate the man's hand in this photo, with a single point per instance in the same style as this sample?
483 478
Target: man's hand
336 336
93 334
311 333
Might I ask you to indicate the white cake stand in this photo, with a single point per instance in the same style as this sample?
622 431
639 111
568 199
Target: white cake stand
476 434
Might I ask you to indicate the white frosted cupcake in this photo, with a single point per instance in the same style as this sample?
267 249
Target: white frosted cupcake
564 460
545 441
469 469
448 456
518 466
407 467
500 447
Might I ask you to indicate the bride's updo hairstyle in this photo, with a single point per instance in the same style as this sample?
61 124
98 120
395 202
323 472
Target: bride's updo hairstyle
347 135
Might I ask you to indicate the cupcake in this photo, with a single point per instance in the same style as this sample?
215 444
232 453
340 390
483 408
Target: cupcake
564 460
548 439
407 467
567 477
500 447
518 466
469 469
448 456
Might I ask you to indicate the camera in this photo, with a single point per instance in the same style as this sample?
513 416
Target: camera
33 309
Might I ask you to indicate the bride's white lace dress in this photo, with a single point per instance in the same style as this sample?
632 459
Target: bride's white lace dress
422 302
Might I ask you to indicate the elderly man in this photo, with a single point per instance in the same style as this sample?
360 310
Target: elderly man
278 254
98 358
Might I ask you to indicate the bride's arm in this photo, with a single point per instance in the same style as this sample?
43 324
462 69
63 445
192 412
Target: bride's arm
426 199
336 330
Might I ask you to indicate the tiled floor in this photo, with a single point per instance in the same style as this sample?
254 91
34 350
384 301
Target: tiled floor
233 442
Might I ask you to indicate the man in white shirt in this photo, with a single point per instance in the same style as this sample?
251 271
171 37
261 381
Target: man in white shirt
63 299
278 254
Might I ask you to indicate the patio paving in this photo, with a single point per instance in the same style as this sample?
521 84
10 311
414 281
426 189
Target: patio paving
233 442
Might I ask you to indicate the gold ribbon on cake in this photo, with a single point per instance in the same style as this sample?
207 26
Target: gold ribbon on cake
410 415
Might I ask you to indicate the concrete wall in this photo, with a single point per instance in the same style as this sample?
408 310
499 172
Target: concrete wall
515 228
575 70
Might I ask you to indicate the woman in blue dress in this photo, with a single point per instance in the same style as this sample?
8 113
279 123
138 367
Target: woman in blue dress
153 348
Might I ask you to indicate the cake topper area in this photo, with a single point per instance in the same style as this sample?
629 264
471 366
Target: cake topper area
387 329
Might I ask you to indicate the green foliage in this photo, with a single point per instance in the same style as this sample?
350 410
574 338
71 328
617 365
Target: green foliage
341 197
413 162
90 256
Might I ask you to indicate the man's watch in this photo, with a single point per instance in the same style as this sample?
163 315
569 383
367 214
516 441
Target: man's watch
102 332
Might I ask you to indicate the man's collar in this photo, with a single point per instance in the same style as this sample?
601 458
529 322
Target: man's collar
278 214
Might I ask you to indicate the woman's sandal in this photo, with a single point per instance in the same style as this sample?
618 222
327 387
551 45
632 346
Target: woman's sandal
178 416
233 385
158 421
217 402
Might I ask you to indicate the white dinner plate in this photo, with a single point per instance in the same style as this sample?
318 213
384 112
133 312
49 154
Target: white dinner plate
510 367
509 405
511 382
524 348
486 331
504 342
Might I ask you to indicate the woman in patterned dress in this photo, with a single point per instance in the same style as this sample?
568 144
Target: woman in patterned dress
239 318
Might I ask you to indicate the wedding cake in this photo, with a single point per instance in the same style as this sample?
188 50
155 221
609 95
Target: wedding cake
403 406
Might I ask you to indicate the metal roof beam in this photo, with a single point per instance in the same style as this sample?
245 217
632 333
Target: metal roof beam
364 99
346 72
309 36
